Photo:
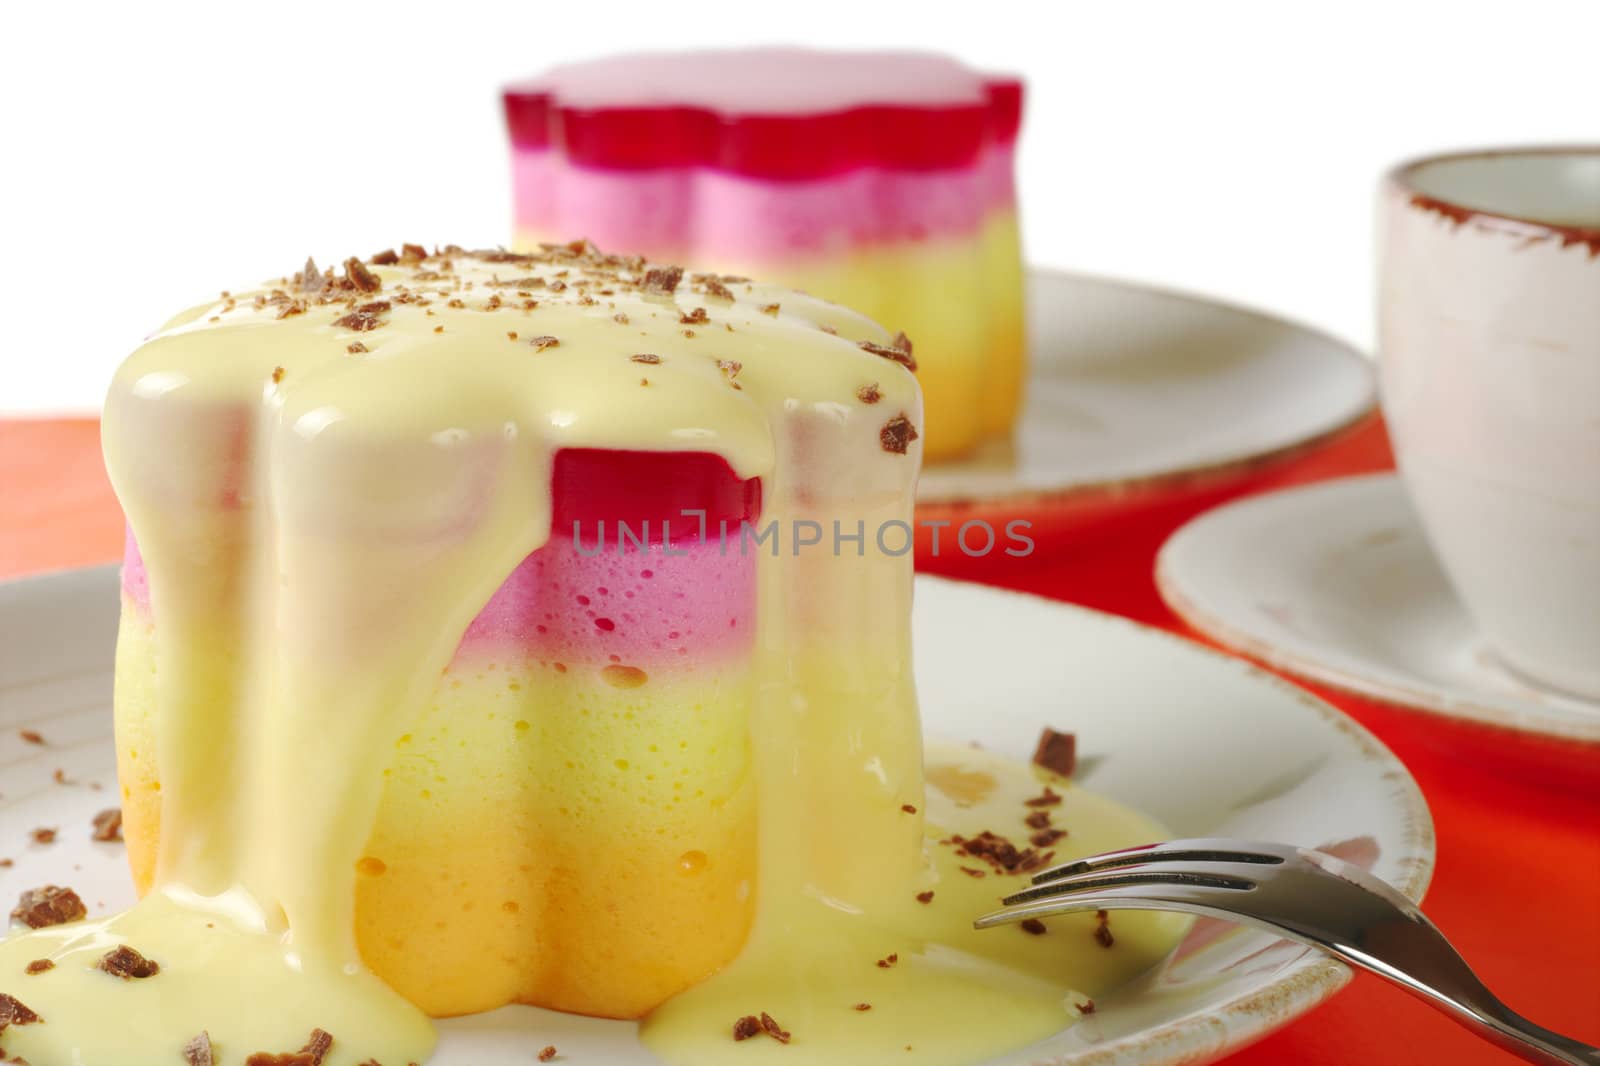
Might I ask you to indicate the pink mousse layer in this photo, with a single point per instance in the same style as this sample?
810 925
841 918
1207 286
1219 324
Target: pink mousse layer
738 218
638 608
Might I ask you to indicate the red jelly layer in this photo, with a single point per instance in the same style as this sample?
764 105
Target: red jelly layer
779 147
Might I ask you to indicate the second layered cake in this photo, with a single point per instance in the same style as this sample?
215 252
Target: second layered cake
881 180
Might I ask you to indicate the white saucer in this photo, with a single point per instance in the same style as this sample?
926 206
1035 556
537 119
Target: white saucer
1208 744
1134 391
1336 583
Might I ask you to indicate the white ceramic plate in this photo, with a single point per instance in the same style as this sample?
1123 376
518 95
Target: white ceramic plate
1135 391
1209 745
1335 582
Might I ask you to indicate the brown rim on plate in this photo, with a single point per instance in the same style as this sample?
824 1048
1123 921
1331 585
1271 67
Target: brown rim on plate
1211 474
1400 178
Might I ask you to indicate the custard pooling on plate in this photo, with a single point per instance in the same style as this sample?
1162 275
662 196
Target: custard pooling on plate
407 727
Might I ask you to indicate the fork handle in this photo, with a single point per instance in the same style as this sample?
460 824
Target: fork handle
1458 993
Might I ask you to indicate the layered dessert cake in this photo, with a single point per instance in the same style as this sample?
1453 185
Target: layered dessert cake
533 628
883 181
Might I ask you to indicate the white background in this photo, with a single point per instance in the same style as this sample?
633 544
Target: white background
151 155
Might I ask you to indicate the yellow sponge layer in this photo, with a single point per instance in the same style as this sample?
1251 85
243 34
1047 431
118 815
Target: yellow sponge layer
570 837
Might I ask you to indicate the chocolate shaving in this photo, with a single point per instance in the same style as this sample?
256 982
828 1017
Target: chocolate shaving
1033 926
30 736
1037 820
717 289
869 393
925 897
38 966
1000 853
888 961
356 348
770 309
746 1027
908 808
863 1006
897 434
1045 837
541 343
277 374
317 1047
547 1053
366 317
387 257
108 826
128 964
894 355
1102 932
663 280
901 342
1056 752
1086 1007
1047 798
197 1052
360 276
697 317
770 1026
49 905
645 357
14 1012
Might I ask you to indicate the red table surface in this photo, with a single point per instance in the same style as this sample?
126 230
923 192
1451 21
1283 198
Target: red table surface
1517 887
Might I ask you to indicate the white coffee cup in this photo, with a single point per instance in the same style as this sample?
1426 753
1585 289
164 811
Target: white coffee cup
1489 368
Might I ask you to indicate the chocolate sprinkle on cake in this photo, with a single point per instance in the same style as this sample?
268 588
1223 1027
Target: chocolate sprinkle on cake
663 280
897 434
361 277
894 355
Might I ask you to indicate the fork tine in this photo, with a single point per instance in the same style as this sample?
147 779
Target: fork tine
1173 896
1197 850
1224 876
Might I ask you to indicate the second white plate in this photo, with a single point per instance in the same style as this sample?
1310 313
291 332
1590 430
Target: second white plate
1137 391
1336 582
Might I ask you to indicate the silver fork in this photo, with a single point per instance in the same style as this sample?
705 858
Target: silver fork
1303 895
